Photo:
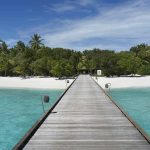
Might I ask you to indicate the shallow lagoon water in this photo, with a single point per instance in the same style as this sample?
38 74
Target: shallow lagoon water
135 102
19 110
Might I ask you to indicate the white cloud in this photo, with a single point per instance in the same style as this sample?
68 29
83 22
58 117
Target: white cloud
125 25
60 7
68 5
85 2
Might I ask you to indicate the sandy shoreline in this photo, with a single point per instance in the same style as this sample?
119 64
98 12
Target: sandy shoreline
54 83
33 83
125 82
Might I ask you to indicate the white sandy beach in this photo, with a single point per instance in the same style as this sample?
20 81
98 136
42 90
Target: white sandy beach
124 82
54 83
36 83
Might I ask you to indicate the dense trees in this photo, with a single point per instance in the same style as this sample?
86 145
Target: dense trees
37 59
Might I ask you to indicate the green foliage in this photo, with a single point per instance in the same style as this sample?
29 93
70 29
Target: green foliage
22 67
62 68
144 70
36 59
137 49
57 69
3 47
128 63
36 42
39 67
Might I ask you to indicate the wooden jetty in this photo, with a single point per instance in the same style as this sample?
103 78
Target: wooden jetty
86 119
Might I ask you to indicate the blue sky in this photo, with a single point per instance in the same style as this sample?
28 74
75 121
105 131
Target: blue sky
77 24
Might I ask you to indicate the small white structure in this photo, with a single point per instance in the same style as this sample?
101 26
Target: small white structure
99 72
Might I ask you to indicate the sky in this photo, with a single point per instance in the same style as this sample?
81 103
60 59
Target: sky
77 24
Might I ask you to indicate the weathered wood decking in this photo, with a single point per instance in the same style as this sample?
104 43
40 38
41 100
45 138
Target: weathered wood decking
86 119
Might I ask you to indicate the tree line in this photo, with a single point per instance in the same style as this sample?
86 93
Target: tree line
36 59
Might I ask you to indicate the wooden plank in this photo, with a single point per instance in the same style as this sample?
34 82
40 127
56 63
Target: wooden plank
86 119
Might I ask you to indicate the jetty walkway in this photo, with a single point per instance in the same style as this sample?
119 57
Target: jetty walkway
86 119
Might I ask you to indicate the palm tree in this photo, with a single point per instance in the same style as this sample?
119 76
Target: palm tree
36 41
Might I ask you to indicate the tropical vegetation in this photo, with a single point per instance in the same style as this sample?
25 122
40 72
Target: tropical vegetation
36 59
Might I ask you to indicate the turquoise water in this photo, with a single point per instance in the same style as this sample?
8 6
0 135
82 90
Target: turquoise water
19 110
136 102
